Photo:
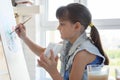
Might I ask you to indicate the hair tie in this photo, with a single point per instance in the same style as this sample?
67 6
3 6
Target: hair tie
91 25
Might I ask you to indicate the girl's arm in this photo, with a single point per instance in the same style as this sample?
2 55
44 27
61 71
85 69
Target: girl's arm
21 32
80 61
33 46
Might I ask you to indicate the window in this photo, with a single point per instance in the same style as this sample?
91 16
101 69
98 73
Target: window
53 36
105 17
105 13
48 11
104 9
53 7
111 45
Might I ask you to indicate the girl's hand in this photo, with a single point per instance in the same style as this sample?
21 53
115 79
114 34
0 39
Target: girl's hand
49 64
21 31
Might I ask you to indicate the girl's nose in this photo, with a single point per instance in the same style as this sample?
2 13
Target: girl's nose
58 27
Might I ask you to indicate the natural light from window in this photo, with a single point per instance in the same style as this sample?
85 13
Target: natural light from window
53 7
104 9
100 9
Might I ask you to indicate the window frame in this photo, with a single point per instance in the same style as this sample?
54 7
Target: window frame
44 15
51 25
100 23
104 23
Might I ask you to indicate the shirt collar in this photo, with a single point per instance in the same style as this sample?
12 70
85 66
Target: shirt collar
78 42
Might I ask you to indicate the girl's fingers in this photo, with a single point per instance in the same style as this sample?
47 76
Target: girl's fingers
44 59
51 55
41 63
56 58
20 27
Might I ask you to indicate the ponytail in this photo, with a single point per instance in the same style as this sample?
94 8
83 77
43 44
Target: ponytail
76 12
94 35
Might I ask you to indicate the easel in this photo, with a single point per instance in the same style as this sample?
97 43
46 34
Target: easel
13 58
14 63
4 75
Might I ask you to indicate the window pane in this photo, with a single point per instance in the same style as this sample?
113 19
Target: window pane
53 5
111 44
104 9
53 36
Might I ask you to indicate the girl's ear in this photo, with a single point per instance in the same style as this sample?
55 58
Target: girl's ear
77 25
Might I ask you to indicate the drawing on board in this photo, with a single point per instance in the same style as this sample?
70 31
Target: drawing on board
8 25
11 39
14 55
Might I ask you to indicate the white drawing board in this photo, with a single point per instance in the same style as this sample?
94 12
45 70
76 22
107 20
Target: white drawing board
11 43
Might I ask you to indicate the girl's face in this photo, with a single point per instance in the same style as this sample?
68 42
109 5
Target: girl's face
68 30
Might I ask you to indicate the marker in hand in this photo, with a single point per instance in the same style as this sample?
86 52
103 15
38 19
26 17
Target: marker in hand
22 23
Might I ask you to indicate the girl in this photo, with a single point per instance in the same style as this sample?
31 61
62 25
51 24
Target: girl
78 49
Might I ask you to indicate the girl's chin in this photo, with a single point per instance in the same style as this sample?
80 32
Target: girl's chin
63 38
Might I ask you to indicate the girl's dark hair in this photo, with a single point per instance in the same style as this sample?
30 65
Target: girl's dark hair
76 12
95 37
